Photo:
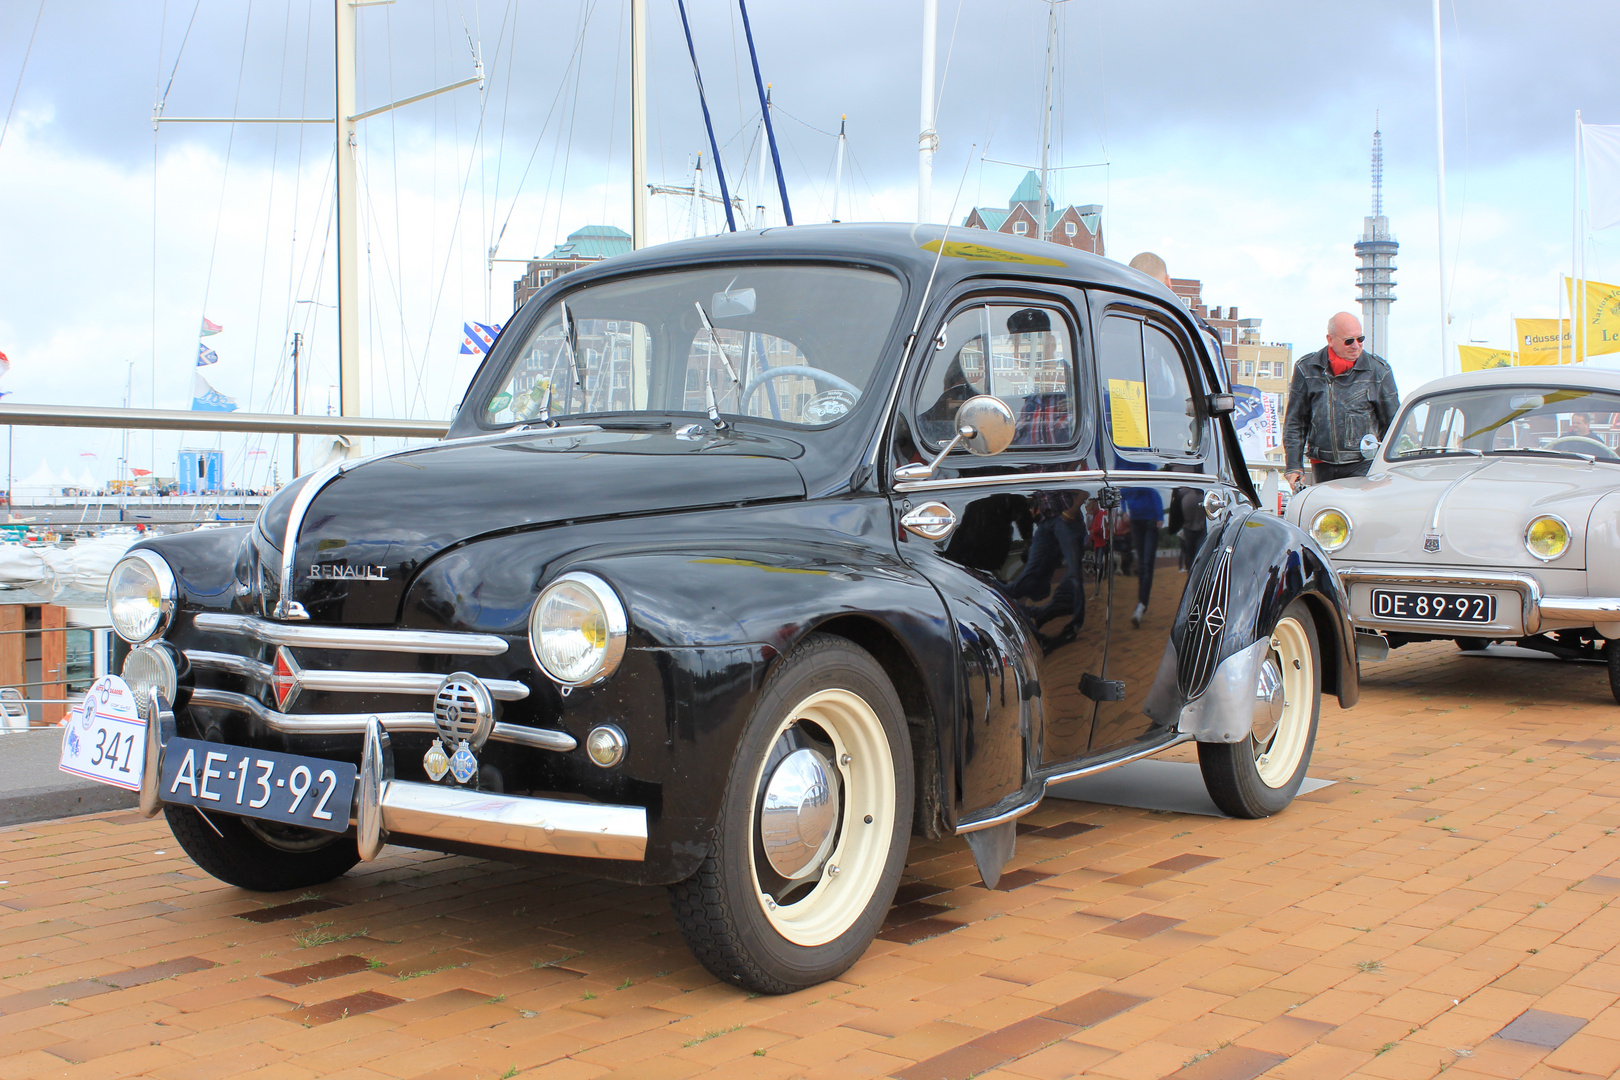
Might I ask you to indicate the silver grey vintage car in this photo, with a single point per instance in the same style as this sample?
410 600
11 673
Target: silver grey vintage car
1491 513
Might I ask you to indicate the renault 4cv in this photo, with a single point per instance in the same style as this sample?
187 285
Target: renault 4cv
745 560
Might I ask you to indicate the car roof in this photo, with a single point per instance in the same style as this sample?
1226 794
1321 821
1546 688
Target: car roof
968 253
1579 376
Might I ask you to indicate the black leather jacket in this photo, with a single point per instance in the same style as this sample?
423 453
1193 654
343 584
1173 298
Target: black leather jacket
1329 414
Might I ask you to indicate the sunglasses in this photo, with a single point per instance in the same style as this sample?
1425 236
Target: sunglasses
1355 340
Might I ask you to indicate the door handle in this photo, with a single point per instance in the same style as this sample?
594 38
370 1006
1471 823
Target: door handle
931 521
1098 689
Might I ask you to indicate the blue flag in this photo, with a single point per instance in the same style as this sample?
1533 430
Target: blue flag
205 398
477 337
205 355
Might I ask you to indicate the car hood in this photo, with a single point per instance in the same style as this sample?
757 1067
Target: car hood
1478 509
370 530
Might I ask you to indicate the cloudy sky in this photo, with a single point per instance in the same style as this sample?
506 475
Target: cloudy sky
1231 138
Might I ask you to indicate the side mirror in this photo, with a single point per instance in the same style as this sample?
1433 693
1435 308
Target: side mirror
1221 404
1369 446
985 426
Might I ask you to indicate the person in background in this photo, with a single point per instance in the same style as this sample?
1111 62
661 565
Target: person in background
1146 510
1187 517
1339 395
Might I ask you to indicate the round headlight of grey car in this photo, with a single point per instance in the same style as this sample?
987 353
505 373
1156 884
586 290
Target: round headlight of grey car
577 630
140 596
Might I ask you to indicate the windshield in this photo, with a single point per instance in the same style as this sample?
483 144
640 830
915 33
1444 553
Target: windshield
795 344
1509 420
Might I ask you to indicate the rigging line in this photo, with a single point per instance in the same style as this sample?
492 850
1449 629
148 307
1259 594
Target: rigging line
298 173
765 111
157 80
801 123
506 110
164 100
719 168
1462 210
568 95
18 89
561 89
945 74
230 146
567 151
393 168
613 118
270 206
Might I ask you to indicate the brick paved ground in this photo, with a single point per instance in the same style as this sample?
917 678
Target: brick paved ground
1446 907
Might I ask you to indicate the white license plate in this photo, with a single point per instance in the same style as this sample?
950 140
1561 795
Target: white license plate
267 784
1412 605
104 737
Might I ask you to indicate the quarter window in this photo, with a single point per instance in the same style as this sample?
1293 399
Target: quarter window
1020 354
1146 396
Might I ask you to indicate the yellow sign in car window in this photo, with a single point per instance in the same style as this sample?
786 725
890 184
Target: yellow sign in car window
1127 409
959 249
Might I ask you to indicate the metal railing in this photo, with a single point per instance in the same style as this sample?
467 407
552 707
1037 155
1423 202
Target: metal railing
75 416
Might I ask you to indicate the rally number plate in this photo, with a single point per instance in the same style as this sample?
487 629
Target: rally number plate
1413 606
266 784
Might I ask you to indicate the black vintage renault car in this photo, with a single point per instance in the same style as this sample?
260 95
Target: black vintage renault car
745 560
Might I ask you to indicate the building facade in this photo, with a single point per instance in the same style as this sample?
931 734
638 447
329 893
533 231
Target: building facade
593 243
1074 226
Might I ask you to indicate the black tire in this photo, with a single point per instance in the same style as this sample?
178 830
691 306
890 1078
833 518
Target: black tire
1611 653
838 909
1471 644
257 858
1240 780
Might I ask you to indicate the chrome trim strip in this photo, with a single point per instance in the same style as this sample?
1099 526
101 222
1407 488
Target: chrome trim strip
448 642
351 682
1058 778
376 773
1528 588
1597 608
355 723
1125 477
516 823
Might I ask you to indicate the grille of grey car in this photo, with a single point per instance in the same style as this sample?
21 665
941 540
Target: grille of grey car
1206 618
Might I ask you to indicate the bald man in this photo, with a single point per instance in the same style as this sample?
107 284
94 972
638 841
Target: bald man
1339 395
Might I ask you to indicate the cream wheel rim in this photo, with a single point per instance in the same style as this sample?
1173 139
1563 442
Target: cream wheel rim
1277 759
850 872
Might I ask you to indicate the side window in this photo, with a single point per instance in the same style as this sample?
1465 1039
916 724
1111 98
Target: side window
1146 398
1020 354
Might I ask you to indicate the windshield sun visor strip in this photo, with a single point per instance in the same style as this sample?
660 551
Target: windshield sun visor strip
444 642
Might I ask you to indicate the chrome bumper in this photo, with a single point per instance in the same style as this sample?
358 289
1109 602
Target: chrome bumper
1534 608
384 805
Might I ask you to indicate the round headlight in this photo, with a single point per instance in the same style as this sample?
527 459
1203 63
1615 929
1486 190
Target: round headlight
140 596
577 630
1331 529
1547 537
149 669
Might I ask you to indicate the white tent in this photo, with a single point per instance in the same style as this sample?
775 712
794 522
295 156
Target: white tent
86 482
42 481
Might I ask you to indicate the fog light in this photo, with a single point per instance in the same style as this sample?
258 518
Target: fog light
149 669
1331 529
1547 537
606 745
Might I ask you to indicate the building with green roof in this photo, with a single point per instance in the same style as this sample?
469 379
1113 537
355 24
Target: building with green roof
1073 226
586 245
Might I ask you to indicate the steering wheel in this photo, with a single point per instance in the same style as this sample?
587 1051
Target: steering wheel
803 371
1583 444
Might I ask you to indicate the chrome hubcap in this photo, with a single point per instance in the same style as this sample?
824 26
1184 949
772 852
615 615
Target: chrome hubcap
1270 700
799 814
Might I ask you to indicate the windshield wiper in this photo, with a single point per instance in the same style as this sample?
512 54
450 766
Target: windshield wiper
1438 450
1588 458
573 358
708 384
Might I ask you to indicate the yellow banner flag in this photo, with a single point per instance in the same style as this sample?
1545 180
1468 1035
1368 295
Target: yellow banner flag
1541 339
1475 358
1601 317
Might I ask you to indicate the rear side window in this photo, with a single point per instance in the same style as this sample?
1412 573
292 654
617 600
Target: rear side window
1020 353
1148 404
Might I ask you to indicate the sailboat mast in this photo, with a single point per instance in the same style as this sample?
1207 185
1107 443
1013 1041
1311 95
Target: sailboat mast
1440 152
928 138
838 168
764 153
348 220
1042 229
638 123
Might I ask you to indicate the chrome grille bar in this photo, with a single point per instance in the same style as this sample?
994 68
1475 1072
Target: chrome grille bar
355 723
446 642
350 682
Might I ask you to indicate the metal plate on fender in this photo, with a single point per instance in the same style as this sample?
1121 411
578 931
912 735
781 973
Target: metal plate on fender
1411 605
266 784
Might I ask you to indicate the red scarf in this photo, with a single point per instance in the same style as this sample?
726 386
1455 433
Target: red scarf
1337 364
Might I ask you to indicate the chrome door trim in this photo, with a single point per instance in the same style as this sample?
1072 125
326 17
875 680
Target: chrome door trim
1122 477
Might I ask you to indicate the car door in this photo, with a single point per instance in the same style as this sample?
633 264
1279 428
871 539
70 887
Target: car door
1162 462
1003 538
